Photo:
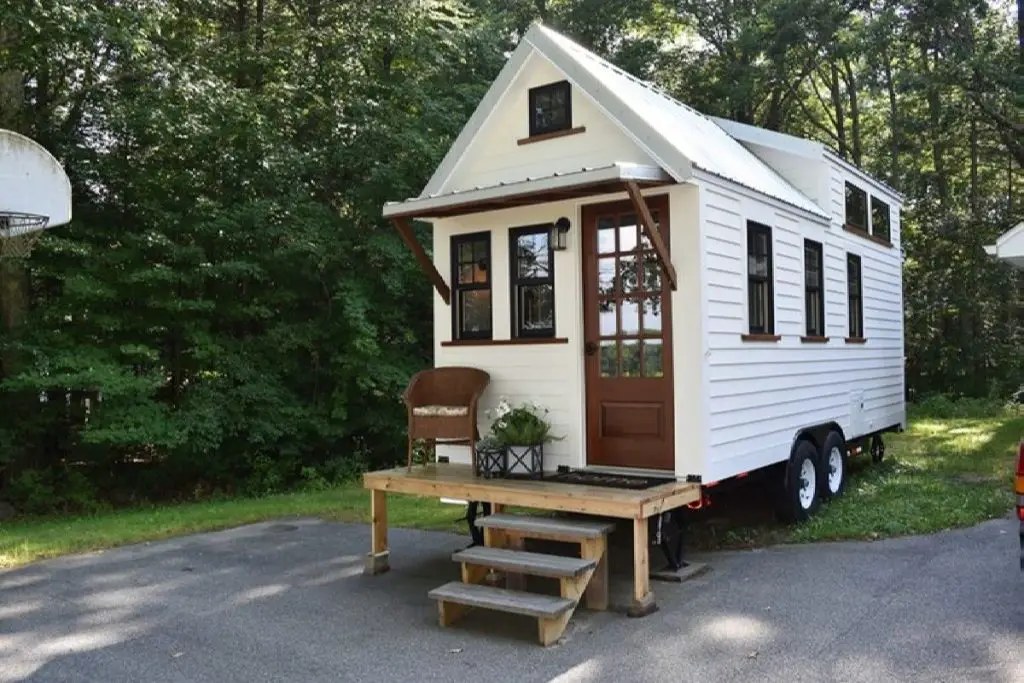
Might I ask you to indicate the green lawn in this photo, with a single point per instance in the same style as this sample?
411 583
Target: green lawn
940 474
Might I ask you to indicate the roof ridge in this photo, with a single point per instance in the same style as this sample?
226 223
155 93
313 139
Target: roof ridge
590 54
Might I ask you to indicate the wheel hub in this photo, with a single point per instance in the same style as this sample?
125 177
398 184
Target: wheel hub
808 484
835 469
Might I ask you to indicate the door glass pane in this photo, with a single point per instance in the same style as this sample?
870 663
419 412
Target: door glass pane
475 314
609 358
605 236
652 316
631 358
652 273
627 234
630 317
628 274
466 252
606 317
606 275
536 307
465 273
653 358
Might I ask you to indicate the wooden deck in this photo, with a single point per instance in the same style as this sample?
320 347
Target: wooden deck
445 480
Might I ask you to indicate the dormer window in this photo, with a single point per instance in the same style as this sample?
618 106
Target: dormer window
550 108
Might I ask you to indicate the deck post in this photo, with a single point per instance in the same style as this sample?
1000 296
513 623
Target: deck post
377 562
643 599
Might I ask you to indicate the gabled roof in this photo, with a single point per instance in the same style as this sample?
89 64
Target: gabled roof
674 135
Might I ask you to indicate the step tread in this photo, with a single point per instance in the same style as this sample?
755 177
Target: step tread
580 528
503 600
537 564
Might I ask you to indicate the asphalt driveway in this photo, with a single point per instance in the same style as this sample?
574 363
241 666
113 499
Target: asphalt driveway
287 602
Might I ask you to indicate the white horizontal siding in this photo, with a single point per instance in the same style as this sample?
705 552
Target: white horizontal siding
496 156
760 394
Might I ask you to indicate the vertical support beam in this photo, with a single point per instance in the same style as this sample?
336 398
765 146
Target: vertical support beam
647 223
643 598
404 228
596 594
377 562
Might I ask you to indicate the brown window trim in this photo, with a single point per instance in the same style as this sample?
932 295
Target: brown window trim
553 134
856 340
866 235
761 337
814 340
524 341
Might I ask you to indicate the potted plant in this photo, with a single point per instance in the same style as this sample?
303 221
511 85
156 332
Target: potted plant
523 431
491 458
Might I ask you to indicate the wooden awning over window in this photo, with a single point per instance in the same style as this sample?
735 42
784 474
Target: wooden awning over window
586 182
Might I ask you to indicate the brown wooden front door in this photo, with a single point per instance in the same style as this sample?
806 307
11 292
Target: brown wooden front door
628 339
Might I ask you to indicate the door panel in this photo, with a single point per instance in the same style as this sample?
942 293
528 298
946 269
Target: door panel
627 323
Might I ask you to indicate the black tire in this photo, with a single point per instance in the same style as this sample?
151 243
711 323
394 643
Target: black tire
877 448
833 459
799 495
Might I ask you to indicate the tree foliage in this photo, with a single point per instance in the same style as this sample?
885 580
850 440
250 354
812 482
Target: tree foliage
228 310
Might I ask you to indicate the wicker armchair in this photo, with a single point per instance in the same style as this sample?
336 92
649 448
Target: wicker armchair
442 407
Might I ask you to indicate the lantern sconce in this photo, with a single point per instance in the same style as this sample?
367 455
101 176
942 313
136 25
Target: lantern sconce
559 233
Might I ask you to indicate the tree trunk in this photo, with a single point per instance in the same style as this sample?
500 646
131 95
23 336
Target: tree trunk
894 140
935 122
837 104
851 88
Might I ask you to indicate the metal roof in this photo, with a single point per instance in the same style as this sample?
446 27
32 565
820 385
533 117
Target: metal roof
682 128
588 176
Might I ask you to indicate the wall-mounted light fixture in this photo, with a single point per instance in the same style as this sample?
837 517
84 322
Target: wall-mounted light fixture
559 232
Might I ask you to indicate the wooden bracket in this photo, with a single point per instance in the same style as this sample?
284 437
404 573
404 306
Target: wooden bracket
404 228
647 222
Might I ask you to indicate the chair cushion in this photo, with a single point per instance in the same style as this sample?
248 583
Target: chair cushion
440 411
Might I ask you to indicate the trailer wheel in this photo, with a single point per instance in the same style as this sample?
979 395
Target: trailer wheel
833 466
800 490
877 448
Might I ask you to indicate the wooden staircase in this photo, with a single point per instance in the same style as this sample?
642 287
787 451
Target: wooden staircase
585 577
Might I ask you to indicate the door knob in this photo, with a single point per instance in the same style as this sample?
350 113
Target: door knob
590 348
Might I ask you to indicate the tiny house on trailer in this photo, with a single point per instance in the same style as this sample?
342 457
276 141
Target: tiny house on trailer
686 295
690 297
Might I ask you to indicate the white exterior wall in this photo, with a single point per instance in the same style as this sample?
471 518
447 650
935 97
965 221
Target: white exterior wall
760 394
802 173
552 375
496 156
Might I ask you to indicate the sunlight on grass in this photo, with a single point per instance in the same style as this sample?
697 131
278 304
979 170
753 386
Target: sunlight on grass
27 540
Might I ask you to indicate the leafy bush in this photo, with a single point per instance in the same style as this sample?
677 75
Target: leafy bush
944 406
54 490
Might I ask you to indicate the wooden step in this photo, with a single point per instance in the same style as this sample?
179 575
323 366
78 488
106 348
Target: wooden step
554 528
516 602
536 564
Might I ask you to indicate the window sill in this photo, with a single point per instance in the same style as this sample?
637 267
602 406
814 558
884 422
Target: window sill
814 340
859 232
552 135
525 341
856 340
761 337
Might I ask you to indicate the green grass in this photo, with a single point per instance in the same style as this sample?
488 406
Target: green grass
941 473
26 540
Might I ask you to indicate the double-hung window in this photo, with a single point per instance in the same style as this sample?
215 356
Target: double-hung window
471 276
760 299
532 276
814 289
855 296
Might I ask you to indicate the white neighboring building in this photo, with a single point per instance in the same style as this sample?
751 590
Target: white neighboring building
784 322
